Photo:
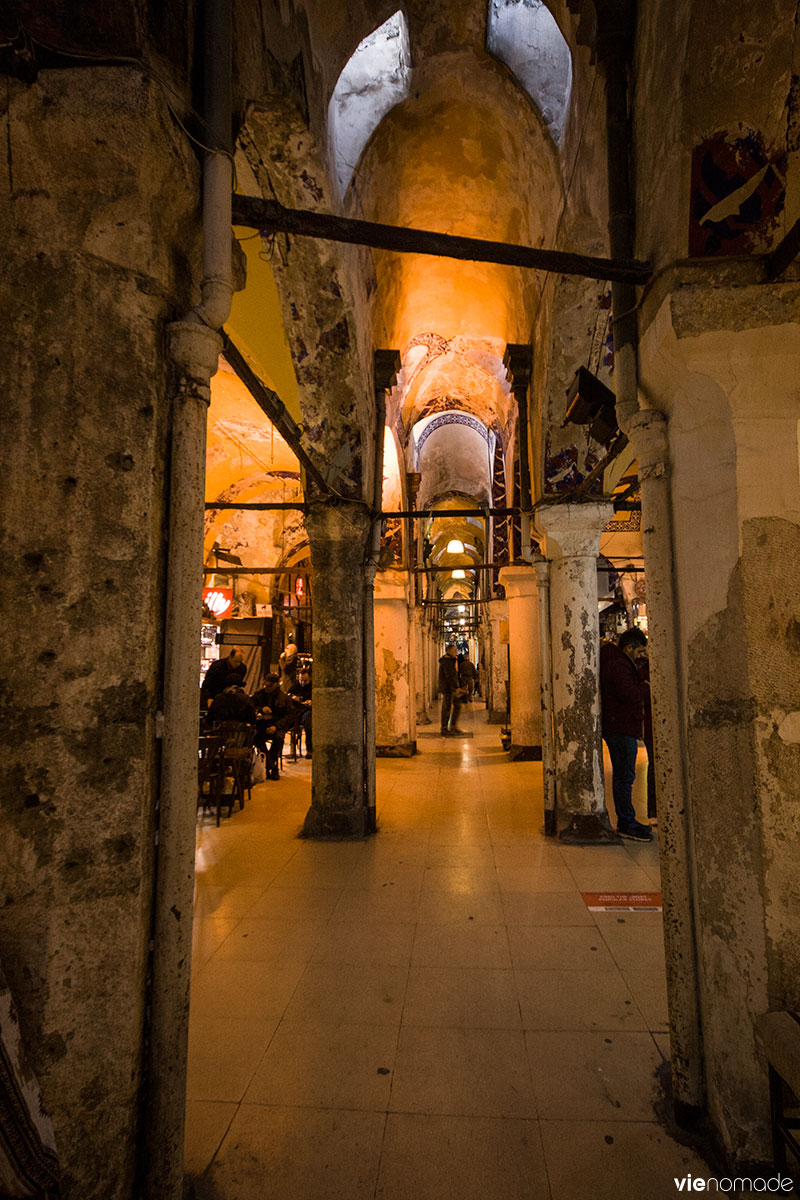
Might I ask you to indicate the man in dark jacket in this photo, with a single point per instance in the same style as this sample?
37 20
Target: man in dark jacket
450 691
275 714
223 673
232 705
622 704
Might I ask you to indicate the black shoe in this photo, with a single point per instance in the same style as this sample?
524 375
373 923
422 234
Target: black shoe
635 832
444 733
457 732
274 773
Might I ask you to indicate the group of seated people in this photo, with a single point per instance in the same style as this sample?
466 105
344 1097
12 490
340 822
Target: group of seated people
272 711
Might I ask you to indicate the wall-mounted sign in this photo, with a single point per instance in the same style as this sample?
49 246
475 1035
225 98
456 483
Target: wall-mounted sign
300 587
218 601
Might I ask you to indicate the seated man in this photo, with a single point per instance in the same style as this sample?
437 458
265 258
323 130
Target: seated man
300 693
275 714
232 705
222 674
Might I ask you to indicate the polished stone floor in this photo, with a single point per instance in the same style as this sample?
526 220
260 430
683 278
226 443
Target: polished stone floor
433 1014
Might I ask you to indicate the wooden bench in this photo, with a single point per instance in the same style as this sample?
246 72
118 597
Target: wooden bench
779 1033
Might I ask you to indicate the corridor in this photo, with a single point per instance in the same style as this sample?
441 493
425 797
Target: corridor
433 1013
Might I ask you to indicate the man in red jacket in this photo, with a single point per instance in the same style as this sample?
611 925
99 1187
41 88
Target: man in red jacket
622 703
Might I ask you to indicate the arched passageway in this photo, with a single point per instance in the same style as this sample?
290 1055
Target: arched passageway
436 459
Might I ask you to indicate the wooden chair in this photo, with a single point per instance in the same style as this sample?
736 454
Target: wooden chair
238 756
211 774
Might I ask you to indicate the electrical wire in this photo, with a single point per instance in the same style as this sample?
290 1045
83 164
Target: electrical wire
168 88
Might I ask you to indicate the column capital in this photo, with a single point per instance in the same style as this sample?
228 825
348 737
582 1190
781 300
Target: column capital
337 520
572 530
391 584
519 580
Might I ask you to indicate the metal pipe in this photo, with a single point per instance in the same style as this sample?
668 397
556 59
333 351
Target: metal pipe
542 569
370 569
194 347
647 431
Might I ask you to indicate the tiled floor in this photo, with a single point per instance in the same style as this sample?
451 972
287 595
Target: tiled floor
431 1014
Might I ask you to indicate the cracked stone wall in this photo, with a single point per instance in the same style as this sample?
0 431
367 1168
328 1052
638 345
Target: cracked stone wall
96 266
731 396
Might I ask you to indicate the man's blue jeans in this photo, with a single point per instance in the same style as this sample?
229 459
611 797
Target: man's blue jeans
622 748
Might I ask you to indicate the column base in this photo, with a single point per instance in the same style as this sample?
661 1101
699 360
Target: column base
338 825
398 750
423 719
589 829
497 716
550 822
525 753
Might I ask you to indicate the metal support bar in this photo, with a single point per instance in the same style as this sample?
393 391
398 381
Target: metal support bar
269 216
271 403
424 513
267 506
783 254
258 570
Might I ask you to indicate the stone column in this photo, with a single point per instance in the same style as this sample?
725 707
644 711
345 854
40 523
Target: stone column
420 656
571 543
395 722
496 673
522 596
337 534
89 290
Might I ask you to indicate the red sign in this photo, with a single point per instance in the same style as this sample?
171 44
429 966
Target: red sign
299 587
219 601
622 901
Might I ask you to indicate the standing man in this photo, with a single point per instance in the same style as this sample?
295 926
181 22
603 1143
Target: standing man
222 674
450 692
622 703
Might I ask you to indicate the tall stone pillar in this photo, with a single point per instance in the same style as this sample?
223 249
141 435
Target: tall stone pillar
420 658
494 673
87 423
522 595
337 535
571 543
395 719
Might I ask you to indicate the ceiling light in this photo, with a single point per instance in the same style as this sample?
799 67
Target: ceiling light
458 575
455 547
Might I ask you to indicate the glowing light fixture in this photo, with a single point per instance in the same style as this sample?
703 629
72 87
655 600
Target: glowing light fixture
458 574
462 608
455 547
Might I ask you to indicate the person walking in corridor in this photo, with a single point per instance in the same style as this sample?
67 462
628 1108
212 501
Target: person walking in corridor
621 697
451 692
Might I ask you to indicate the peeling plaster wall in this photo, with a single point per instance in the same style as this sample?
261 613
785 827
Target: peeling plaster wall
395 722
731 394
454 458
100 269
324 293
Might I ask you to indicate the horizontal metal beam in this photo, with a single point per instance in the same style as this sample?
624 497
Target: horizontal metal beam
269 216
258 570
266 506
424 513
